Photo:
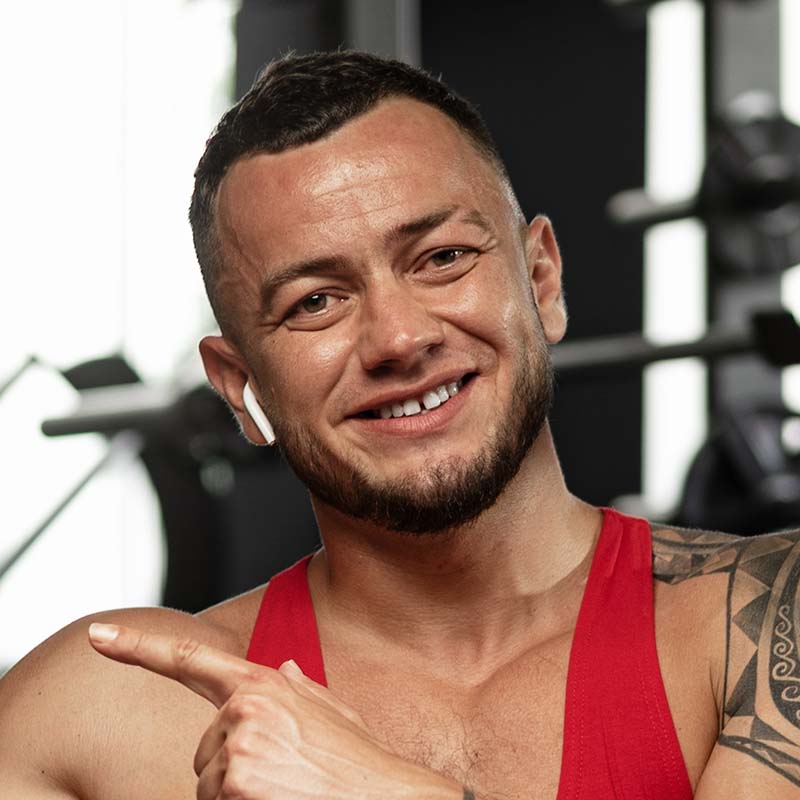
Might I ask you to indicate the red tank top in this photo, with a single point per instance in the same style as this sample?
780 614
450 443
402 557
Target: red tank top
619 738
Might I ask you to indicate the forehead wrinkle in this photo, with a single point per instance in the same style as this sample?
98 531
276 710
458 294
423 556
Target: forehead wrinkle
335 218
354 182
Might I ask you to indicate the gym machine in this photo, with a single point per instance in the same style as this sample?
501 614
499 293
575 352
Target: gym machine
746 477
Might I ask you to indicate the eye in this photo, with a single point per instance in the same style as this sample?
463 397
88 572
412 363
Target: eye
315 303
316 310
445 258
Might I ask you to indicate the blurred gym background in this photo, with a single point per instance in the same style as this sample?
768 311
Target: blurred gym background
660 137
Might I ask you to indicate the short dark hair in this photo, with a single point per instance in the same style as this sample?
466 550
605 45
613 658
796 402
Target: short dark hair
300 99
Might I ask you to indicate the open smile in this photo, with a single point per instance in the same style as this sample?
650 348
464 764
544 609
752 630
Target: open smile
427 401
418 414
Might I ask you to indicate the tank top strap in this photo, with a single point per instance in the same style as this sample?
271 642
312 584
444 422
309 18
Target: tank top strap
619 737
286 626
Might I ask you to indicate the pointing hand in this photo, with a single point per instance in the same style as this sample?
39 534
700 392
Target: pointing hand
277 733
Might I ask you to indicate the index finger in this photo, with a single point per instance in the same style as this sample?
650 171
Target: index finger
208 672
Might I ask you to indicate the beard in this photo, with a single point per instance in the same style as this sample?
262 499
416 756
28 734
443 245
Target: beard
453 491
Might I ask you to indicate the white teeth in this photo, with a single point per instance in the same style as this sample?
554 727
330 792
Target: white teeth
431 400
411 407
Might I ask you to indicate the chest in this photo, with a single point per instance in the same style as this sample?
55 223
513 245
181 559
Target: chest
502 737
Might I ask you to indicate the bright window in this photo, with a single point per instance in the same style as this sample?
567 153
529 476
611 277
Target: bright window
107 104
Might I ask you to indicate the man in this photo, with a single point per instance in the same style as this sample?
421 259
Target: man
469 629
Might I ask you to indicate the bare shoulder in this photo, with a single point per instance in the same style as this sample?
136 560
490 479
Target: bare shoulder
235 618
680 554
75 724
746 590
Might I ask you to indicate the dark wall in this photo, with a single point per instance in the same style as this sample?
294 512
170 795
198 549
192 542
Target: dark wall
561 86
267 29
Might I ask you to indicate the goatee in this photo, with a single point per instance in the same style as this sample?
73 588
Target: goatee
453 491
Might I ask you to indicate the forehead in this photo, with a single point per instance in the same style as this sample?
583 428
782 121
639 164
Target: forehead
398 160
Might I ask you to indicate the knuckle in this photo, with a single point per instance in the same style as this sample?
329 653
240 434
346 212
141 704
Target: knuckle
256 674
243 706
241 743
252 671
234 785
185 651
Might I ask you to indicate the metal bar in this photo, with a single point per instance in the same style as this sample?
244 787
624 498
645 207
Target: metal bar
17 374
636 208
115 408
773 334
632 352
125 443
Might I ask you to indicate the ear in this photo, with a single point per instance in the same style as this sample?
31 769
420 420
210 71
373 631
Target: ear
228 373
544 273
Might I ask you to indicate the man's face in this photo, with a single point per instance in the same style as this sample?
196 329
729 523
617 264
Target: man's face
384 298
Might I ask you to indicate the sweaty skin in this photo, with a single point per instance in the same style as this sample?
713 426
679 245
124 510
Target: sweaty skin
446 654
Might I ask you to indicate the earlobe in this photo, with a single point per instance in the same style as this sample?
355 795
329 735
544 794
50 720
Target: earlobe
257 414
228 372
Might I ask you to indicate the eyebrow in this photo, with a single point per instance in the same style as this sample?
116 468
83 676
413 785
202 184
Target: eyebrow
332 265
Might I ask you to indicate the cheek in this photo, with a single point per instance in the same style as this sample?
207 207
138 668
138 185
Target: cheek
516 308
305 368
491 309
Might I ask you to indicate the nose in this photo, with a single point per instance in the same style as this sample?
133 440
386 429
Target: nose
397 330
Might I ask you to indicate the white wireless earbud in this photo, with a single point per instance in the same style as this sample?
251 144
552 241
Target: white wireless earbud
257 414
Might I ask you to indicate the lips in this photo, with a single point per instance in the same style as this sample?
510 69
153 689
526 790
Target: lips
422 423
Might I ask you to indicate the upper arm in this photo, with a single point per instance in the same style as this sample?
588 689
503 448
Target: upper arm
42 722
74 724
758 750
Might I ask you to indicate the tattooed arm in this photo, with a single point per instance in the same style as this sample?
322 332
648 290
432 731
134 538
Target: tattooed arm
757 754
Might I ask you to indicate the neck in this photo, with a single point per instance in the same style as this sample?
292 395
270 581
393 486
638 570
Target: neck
471 589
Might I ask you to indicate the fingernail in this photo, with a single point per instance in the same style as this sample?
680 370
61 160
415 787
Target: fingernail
103 634
290 668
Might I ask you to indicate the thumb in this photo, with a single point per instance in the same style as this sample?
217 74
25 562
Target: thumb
291 669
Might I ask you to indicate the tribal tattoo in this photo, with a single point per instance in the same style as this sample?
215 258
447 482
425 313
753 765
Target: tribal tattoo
761 691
